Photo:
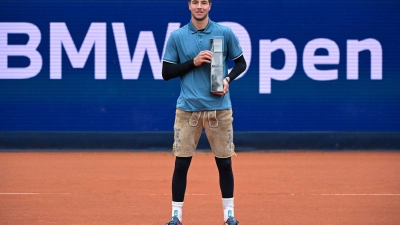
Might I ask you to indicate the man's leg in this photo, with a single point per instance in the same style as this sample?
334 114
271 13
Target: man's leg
219 131
226 178
226 183
187 132
179 181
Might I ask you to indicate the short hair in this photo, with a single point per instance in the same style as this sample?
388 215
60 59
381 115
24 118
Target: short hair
209 1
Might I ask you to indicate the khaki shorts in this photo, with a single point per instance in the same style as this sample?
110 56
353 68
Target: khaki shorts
219 131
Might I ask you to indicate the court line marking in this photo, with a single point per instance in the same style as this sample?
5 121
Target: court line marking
32 193
358 194
196 194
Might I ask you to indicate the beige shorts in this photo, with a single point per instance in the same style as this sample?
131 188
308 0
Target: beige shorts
219 131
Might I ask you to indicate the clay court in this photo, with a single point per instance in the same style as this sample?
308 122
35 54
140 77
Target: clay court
301 188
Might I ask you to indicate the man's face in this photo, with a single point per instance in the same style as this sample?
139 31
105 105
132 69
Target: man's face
199 9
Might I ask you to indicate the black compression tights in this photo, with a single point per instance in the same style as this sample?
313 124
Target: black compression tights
179 178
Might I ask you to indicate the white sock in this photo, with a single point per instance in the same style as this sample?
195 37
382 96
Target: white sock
177 210
227 204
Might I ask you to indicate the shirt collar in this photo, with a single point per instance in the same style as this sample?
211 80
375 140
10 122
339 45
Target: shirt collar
207 30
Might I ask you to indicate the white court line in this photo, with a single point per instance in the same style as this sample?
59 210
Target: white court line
277 194
359 194
195 194
33 193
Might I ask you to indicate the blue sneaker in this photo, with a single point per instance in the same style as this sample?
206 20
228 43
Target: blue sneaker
231 221
174 221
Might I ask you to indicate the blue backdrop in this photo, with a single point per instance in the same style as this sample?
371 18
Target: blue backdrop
43 88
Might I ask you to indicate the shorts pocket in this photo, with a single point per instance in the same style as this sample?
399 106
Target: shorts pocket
212 119
194 119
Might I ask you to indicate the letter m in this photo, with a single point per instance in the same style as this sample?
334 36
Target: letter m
60 36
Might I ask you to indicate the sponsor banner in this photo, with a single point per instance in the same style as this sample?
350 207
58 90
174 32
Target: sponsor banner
96 65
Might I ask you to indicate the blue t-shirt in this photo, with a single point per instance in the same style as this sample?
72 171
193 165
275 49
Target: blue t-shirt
185 44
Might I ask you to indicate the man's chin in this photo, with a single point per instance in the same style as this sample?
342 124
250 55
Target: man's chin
200 18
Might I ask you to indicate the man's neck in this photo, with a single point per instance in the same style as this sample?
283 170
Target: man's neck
200 25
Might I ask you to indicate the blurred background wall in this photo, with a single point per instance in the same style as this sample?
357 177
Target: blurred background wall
87 74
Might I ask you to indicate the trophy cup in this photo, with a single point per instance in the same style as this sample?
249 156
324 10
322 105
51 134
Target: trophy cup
217 64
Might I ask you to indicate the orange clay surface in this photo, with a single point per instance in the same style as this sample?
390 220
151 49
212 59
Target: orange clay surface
118 188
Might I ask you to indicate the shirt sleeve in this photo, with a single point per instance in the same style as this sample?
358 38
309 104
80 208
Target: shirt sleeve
234 48
171 51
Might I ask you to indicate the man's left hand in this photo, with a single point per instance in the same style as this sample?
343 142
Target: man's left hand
226 89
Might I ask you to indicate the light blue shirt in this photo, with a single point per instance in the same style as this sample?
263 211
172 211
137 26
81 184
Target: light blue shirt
185 44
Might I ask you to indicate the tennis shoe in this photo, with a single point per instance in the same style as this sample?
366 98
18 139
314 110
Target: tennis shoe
231 221
174 221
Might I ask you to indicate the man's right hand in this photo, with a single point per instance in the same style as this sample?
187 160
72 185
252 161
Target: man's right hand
203 57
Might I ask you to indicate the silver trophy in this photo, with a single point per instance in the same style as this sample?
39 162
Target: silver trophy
217 64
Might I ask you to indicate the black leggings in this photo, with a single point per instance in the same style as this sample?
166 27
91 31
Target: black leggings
179 178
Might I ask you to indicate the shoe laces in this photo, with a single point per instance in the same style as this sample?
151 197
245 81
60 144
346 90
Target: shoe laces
174 221
232 221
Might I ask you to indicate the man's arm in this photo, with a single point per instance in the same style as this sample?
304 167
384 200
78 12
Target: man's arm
170 70
238 68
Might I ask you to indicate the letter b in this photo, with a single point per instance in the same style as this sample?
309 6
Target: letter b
29 50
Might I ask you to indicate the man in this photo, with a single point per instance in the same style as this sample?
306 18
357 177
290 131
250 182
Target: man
187 56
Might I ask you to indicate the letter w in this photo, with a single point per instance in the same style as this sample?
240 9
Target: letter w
130 67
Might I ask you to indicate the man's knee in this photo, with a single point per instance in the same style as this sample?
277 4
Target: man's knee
224 163
182 163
